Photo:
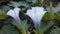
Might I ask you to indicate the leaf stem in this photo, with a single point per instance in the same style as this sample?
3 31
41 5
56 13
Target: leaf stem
38 31
51 9
22 29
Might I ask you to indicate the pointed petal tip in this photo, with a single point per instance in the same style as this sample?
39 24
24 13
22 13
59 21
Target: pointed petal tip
8 13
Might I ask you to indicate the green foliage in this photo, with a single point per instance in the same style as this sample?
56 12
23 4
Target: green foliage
23 23
32 1
47 17
2 15
55 31
41 4
22 26
45 26
5 8
8 29
18 4
57 17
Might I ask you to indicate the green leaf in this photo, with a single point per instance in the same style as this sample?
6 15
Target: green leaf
23 23
17 4
38 3
1 1
47 17
55 31
2 15
45 26
22 26
8 29
33 1
5 8
57 17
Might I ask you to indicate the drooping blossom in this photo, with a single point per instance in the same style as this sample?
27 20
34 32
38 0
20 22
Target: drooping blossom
36 14
15 14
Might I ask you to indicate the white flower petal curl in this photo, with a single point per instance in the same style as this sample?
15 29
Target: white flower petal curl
15 14
36 14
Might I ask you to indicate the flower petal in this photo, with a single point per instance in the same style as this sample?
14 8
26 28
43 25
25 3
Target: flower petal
36 14
15 14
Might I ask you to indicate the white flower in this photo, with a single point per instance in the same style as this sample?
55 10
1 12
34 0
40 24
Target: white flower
36 14
15 14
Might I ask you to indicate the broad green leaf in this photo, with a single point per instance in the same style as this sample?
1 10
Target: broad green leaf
45 26
23 23
8 29
18 4
22 26
55 31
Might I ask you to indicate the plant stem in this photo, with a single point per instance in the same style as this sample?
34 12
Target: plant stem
42 2
51 9
38 31
28 32
22 29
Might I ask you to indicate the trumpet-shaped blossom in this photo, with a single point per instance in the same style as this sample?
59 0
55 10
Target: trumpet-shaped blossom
36 14
15 14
